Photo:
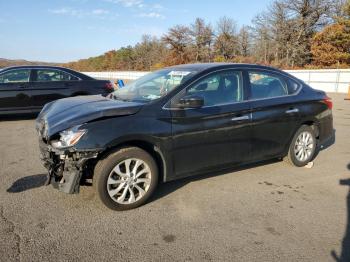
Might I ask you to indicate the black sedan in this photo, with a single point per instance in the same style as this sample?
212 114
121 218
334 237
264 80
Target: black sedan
177 122
26 89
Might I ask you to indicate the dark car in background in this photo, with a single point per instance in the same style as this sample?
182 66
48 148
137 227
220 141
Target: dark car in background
180 121
26 89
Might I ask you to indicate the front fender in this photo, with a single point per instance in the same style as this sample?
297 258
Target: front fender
148 133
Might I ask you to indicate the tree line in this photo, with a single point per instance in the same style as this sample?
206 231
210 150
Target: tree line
288 34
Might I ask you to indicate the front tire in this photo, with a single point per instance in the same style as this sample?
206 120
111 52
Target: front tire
302 149
126 178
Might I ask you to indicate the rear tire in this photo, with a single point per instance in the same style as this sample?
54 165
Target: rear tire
126 178
302 149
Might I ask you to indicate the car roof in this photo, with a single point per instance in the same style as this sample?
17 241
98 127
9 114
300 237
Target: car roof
82 76
195 67
35 66
204 66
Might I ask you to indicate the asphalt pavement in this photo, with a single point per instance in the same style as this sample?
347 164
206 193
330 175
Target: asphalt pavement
266 212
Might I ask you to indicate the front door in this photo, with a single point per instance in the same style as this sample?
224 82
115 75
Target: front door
216 134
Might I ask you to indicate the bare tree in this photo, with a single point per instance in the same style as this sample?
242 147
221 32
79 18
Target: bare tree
244 41
262 38
338 8
226 39
147 52
282 32
308 16
202 34
178 39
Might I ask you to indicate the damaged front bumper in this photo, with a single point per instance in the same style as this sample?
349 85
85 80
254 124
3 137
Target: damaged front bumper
65 167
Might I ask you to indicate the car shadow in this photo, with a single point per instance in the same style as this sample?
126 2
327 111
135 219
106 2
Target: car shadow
345 251
169 187
29 116
164 189
27 183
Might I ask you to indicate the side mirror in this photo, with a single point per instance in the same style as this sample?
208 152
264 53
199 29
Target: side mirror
191 102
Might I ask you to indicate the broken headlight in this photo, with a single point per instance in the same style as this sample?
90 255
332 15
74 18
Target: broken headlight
68 137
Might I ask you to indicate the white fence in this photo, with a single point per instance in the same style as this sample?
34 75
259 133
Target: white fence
114 75
329 80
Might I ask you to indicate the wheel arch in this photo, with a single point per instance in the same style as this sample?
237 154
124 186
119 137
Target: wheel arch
313 123
147 146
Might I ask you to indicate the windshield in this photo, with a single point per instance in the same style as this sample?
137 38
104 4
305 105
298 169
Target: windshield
153 86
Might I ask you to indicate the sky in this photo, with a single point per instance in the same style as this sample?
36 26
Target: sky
68 30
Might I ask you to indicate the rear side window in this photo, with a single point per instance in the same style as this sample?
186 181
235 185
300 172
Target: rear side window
293 86
15 76
49 75
267 85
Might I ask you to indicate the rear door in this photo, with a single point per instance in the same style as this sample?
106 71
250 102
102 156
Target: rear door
216 134
14 90
49 85
275 113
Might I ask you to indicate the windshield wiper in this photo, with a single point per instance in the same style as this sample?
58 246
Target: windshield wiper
119 98
141 100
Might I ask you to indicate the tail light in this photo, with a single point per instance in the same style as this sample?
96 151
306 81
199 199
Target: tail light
328 101
109 86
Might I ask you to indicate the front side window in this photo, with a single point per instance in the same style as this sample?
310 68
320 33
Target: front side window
15 76
153 86
219 88
267 85
49 75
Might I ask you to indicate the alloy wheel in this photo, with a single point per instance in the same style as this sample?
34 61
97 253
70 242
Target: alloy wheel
304 146
129 181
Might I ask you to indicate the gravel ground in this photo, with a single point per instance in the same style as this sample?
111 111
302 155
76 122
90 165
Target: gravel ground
269 212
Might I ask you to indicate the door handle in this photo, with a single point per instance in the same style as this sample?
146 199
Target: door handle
240 118
22 85
291 111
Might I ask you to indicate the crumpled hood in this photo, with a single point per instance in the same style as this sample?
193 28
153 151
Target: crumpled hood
68 112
